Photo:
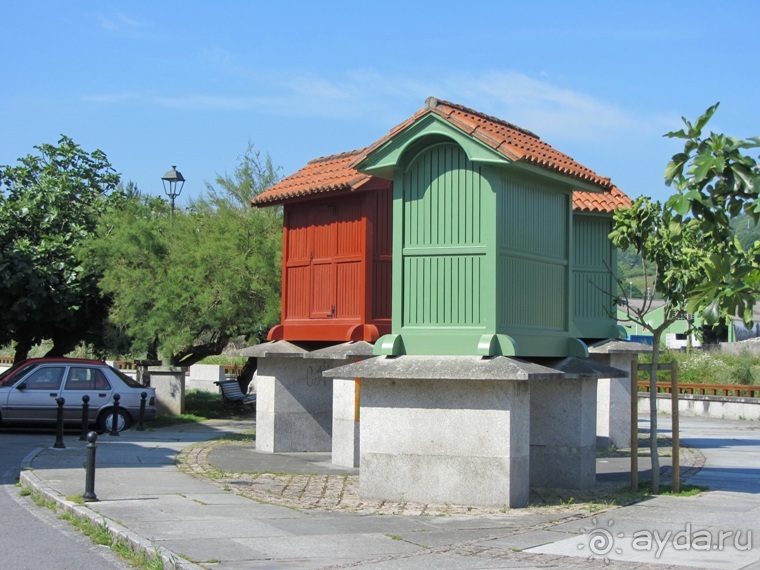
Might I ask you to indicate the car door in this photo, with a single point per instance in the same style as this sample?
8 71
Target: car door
33 398
85 380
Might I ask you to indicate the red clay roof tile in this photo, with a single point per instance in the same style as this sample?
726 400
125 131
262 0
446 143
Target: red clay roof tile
514 142
321 175
606 202
337 172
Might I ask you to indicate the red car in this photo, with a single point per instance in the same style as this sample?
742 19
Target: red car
29 390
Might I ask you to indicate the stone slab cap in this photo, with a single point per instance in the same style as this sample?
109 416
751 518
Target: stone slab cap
617 346
344 351
581 368
444 368
281 348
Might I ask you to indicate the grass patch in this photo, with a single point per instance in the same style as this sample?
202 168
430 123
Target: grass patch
708 367
626 495
100 534
686 490
201 406
41 501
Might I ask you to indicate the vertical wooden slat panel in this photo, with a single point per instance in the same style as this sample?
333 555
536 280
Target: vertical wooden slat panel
349 292
592 277
298 227
350 237
381 298
441 209
298 293
323 290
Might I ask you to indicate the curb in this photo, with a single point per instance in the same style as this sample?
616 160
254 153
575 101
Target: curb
117 531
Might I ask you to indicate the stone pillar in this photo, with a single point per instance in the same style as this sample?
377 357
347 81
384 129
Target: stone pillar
345 426
169 383
563 433
613 424
445 429
294 404
563 424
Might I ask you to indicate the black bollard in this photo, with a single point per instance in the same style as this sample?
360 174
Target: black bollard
89 485
59 425
115 415
85 417
141 416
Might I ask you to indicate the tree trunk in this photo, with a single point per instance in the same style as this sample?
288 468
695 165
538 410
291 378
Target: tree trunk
22 351
653 412
246 375
152 353
61 346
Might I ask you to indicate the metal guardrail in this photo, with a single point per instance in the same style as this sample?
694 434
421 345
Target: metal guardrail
735 390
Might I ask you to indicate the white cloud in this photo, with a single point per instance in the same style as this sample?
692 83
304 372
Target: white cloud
552 111
207 102
113 98
121 24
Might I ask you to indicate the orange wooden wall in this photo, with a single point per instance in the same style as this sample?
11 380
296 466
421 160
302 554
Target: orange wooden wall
337 268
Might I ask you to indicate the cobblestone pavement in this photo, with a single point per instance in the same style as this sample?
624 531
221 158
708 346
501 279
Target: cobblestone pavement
335 492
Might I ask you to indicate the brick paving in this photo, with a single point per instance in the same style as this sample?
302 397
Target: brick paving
335 492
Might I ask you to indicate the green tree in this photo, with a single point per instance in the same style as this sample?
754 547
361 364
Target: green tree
716 181
253 174
49 204
186 285
699 264
667 251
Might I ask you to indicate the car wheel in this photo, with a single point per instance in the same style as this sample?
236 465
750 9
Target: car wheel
105 421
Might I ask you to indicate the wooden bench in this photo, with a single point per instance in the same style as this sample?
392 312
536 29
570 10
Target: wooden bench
232 394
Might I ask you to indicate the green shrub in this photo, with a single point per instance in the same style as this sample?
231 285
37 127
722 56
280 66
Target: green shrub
706 367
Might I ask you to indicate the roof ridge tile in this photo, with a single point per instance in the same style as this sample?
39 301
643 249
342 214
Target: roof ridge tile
336 156
433 103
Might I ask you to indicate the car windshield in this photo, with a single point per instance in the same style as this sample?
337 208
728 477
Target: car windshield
9 376
128 380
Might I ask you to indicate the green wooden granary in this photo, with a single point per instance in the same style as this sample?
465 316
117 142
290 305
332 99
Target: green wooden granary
489 257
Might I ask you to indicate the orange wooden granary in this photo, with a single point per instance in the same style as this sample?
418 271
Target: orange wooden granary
336 267
337 237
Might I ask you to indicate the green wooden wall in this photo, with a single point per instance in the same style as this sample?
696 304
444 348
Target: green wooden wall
488 257
594 285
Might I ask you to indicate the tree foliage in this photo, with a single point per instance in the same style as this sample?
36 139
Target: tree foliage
697 261
716 181
185 285
253 174
667 251
50 203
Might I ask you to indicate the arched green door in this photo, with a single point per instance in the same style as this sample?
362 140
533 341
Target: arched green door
443 242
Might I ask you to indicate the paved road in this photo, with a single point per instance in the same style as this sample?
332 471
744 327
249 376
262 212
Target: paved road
159 507
35 538
716 529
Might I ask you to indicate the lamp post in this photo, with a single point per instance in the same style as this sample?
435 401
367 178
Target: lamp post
173 183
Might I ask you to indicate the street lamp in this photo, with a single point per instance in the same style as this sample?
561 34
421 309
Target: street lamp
171 180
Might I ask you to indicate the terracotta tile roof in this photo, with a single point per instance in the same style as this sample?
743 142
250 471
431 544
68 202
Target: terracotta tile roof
321 175
513 142
605 202
337 173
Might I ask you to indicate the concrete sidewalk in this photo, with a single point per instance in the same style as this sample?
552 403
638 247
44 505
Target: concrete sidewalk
305 514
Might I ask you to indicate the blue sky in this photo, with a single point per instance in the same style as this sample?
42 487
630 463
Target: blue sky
155 84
